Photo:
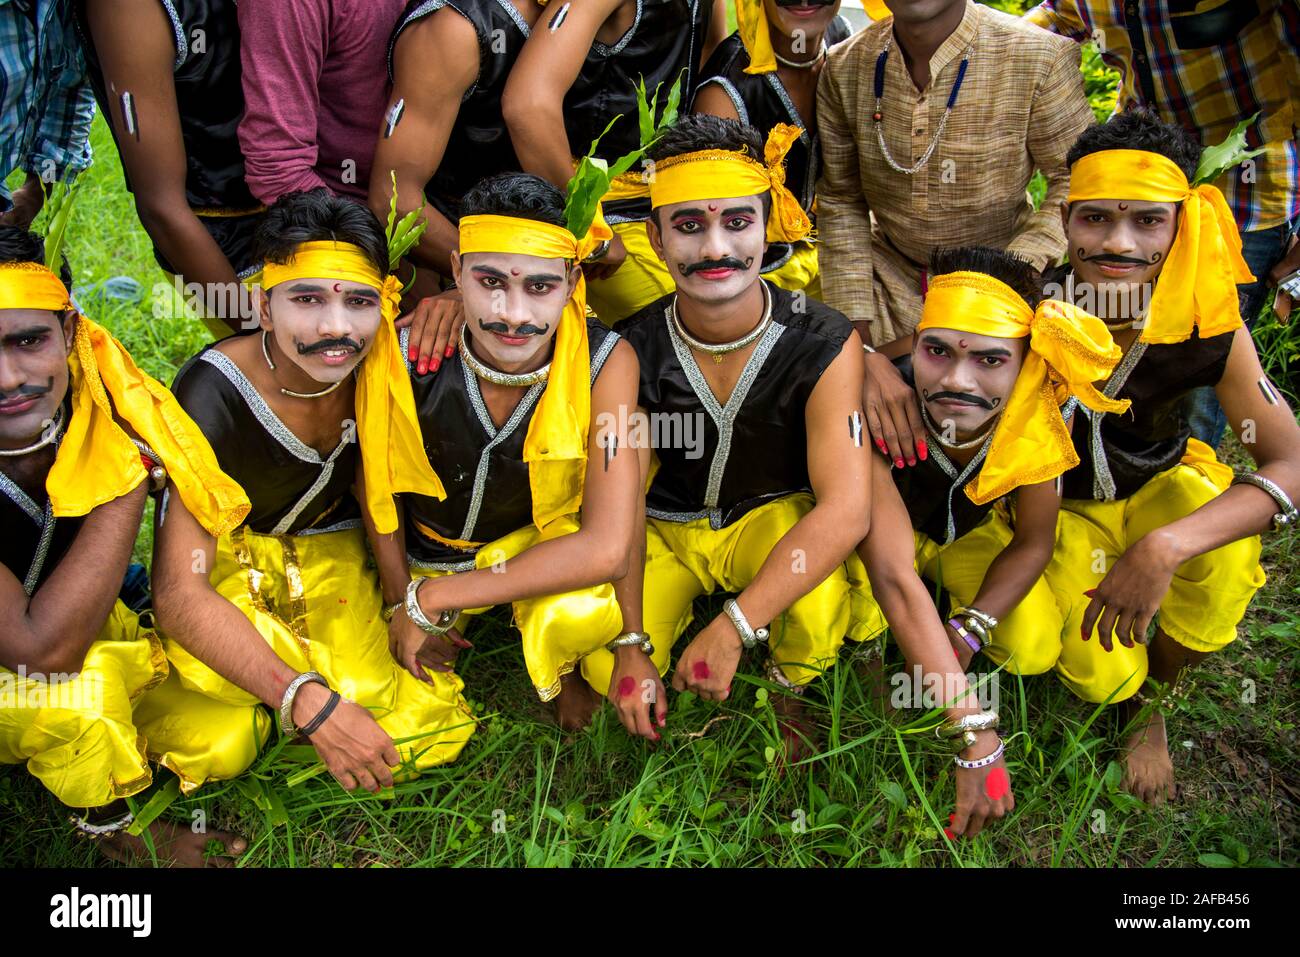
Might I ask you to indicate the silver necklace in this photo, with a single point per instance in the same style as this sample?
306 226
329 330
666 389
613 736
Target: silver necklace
266 354
720 350
496 376
802 64
877 118
47 437
958 446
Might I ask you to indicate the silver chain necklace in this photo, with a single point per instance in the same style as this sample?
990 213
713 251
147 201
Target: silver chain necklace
877 118
266 354
47 437
802 64
957 446
496 376
719 350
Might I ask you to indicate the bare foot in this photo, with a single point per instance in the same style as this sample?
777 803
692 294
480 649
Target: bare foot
576 703
177 846
1148 769
799 736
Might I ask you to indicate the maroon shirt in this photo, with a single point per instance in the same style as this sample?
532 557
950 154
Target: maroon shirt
314 92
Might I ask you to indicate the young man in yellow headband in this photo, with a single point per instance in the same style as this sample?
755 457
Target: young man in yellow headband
1153 528
764 74
524 425
84 436
777 495
284 611
997 375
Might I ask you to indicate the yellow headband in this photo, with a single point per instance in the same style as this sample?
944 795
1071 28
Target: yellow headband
555 447
723 174
32 286
1069 350
1196 288
392 448
755 31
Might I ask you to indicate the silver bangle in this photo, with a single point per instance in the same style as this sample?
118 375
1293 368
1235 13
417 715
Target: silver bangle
446 618
980 721
600 252
1288 514
291 693
867 349
749 637
983 762
628 638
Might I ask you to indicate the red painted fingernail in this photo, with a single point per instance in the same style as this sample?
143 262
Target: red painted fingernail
898 463
626 686
951 835
922 450
413 355
663 722
422 367
433 366
700 670
911 461
450 350
880 444
997 784
1090 592
952 817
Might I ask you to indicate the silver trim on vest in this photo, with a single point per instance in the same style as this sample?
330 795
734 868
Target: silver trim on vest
1103 483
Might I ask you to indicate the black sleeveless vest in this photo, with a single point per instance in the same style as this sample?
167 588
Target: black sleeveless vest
210 102
718 461
479 144
1152 435
665 38
482 467
292 488
33 541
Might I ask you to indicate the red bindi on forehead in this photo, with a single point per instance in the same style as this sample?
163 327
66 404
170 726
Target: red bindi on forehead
712 208
962 343
338 287
514 272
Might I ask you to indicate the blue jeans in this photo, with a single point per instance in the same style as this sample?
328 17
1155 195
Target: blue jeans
1262 250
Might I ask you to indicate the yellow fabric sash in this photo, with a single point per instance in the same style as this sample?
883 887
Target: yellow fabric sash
722 174
392 448
755 31
97 462
555 447
1069 350
1197 286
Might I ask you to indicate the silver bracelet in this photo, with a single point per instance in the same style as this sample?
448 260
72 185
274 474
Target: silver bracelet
978 763
867 349
414 612
600 252
639 638
980 721
749 637
1288 514
290 693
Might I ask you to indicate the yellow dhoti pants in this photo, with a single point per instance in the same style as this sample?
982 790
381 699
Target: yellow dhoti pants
643 277
316 601
687 559
1027 640
1206 600
557 631
79 736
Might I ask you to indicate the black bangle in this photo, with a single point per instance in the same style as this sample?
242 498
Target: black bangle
312 726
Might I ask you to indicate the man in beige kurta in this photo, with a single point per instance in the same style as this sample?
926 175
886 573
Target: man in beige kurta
1020 106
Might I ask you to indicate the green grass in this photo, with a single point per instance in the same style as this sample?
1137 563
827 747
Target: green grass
523 793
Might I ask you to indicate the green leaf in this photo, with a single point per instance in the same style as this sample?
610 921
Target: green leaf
1216 160
894 793
159 802
769 754
403 234
1215 860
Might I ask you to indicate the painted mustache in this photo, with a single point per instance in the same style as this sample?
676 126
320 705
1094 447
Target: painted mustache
965 397
26 391
527 329
1120 260
725 263
324 344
